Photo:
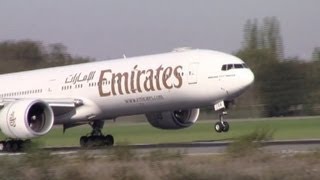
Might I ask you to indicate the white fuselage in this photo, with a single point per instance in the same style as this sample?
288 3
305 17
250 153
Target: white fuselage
138 85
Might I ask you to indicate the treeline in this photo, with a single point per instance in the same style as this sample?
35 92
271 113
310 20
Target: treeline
283 86
27 55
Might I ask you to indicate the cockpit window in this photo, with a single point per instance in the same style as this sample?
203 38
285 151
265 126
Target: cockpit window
224 67
227 67
230 66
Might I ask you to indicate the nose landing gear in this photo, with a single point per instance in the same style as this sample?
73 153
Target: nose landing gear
222 125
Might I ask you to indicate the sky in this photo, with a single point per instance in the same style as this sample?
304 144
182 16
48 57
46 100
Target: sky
106 29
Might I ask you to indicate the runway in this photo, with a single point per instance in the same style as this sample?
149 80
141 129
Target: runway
205 148
194 148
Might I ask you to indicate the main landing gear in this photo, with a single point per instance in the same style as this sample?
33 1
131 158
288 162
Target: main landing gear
96 138
13 145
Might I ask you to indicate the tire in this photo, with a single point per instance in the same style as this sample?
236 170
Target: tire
109 140
226 126
7 146
91 141
14 146
218 127
84 141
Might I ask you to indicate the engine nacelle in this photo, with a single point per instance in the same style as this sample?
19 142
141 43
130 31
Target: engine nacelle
173 119
26 118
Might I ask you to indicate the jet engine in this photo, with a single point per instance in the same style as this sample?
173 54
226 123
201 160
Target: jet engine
26 118
177 119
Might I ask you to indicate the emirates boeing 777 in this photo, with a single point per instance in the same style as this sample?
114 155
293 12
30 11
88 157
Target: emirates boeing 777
168 88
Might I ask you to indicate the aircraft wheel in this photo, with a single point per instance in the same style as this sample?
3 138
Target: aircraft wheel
109 140
225 126
14 146
218 127
7 146
83 141
11 146
91 141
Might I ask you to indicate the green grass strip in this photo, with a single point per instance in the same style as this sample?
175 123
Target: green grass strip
142 133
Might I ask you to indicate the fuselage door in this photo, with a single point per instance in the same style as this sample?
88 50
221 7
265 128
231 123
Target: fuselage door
53 86
193 73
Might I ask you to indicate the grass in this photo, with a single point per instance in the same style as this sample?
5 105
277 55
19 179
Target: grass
249 143
253 166
136 133
245 160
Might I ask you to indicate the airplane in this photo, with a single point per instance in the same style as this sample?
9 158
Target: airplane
169 88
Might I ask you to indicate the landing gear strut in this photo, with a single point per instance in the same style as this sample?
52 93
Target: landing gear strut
96 138
222 125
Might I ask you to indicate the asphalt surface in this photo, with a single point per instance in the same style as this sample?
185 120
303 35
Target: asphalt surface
205 148
194 148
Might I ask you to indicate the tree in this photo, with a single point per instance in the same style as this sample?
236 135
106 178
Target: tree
26 55
272 39
265 39
22 50
251 35
283 88
280 86
316 54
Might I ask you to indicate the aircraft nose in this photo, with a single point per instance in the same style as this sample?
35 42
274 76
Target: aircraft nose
246 79
249 78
